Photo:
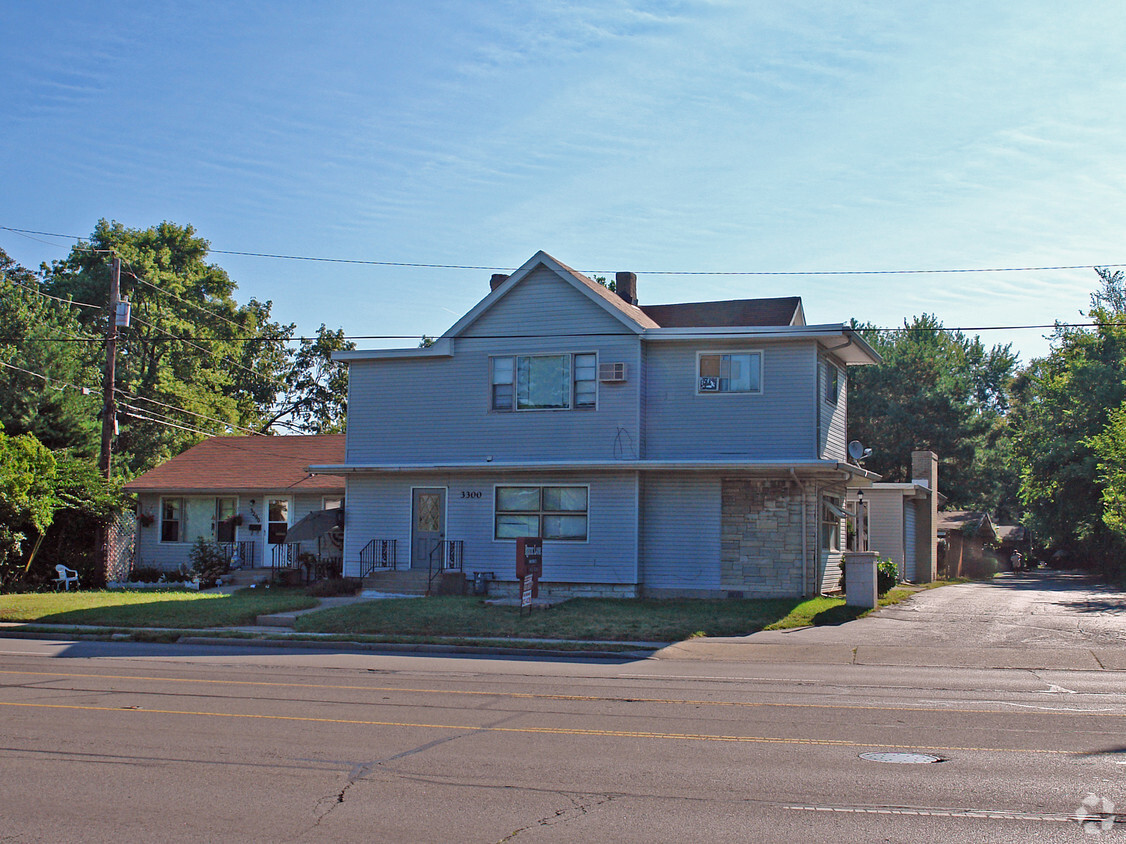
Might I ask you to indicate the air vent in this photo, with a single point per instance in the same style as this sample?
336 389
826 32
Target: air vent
612 373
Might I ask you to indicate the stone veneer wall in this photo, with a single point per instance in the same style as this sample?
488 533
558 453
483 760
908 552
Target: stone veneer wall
761 539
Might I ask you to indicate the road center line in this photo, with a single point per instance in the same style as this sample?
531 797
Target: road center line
557 731
535 696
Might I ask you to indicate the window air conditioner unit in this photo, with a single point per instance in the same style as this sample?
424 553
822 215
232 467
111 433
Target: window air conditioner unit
612 373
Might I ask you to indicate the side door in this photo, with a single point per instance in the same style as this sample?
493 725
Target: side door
428 524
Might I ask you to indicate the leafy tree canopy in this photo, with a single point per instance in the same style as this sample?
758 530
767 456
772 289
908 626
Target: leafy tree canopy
1071 433
194 359
941 391
44 364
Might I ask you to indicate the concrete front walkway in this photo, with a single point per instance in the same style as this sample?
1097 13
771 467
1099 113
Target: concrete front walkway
1035 620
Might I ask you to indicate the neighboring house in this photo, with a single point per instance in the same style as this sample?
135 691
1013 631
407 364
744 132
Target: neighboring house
967 537
902 519
684 449
242 492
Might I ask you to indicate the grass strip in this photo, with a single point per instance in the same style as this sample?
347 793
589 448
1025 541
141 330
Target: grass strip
151 608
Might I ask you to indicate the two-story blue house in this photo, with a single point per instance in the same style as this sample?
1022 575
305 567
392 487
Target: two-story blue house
659 450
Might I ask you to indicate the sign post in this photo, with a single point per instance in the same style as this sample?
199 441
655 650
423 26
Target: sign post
529 568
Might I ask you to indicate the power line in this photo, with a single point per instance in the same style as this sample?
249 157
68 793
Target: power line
199 308
84 390
425 265
831 329
249 431
215 355
137 415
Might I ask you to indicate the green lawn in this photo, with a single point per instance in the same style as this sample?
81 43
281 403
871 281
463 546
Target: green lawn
151 608
582 618
420 619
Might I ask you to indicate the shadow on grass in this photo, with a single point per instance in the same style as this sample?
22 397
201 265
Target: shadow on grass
838 615
179 609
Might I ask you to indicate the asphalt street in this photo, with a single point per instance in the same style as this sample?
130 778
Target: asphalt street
126 741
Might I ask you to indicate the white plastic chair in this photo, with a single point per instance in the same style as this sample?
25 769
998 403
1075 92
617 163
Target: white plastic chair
64 577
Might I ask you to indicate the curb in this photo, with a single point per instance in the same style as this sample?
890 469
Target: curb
116 635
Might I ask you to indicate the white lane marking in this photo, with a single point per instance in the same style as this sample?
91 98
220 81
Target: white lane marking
1052 687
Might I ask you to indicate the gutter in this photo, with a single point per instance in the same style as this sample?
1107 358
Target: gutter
811 468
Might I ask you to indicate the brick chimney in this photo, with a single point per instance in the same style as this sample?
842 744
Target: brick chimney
924 470
497 280
626 286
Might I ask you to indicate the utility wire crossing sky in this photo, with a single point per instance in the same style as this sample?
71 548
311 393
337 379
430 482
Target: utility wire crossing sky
721 150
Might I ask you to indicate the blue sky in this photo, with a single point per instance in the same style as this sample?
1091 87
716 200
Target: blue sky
691 136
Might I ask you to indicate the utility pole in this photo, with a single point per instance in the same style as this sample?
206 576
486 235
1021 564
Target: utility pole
109 408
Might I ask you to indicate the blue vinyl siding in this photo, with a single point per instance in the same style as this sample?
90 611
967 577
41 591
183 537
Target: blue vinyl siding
780 423
832 433
438 408
169 556
544 303
680 546
379 508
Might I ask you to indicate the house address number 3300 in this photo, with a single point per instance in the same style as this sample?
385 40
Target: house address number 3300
471 493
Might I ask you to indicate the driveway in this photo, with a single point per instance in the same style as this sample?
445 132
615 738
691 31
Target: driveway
1042 619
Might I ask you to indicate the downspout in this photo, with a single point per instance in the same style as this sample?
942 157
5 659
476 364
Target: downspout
805 579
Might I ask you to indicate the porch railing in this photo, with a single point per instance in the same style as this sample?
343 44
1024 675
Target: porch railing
283 556
377 554
239 554
449 558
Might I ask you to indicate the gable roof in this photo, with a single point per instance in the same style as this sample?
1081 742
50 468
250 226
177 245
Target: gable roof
247 463
732 312
969 522
629 315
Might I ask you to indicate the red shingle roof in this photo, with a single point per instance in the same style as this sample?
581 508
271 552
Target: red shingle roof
736 312
247 463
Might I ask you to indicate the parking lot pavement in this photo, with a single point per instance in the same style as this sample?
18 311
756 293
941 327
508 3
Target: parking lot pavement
1033 620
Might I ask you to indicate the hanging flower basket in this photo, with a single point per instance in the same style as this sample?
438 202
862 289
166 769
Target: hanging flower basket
146 519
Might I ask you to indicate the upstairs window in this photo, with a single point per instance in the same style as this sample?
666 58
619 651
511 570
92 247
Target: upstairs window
729 372
544 382
832 383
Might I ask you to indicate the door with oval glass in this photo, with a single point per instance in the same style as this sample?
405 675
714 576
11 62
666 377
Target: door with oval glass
428 525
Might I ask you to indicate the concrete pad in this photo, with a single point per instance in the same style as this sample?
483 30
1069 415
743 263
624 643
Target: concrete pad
743 651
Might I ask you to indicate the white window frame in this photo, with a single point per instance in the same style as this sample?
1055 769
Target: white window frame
830 506
218 521
514 384
720 353
289 503
540 512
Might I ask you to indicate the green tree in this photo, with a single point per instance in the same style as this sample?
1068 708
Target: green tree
315 398
44 365
191 346
27 500
939 390
1069 433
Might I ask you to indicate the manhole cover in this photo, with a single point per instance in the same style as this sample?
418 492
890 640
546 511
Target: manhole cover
901 758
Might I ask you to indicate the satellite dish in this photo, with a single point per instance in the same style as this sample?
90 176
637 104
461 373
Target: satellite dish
856 450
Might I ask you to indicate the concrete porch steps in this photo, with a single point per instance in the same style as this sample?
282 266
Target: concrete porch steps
405 582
